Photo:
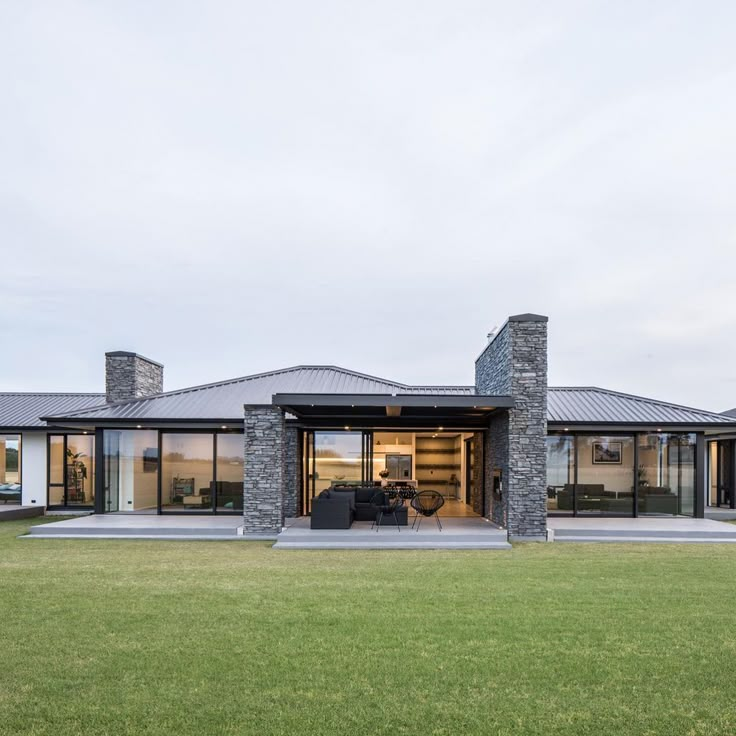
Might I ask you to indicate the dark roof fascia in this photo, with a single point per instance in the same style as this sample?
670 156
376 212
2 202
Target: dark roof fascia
641 426
401 400
132 422
24 429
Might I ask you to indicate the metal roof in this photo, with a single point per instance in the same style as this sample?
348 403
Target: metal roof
225 400
591 405
730 413
26 409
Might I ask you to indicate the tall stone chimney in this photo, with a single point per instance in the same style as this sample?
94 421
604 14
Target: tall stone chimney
131 376
514 364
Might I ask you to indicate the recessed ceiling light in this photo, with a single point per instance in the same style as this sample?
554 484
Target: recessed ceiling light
223 427
138 426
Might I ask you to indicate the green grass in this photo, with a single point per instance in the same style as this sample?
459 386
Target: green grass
135 637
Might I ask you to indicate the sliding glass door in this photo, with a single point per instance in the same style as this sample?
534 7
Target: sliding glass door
333 457
187 472
152 471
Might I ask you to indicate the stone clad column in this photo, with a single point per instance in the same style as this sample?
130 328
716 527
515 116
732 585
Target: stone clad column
293 475
264 472
515 363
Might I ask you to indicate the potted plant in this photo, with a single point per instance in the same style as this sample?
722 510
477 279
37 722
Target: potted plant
76 474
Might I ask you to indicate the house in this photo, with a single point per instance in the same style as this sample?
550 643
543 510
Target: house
509 448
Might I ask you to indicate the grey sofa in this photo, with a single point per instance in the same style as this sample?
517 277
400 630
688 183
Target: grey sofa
10 492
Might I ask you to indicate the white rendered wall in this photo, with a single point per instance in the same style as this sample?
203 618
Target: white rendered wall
33 468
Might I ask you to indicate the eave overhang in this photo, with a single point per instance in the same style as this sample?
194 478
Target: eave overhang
428 410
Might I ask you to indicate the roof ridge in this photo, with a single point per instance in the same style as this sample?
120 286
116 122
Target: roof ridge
239 379
636 397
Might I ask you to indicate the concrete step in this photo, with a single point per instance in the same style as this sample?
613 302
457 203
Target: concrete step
301 538
561 535
646 539
148 536
100 531
391 544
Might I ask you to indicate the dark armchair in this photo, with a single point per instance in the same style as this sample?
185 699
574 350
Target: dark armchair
331 511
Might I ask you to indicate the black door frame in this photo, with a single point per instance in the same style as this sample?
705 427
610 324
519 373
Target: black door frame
725 474
94 476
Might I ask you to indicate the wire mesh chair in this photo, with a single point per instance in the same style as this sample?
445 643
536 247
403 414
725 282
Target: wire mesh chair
427 503
407 493
386 506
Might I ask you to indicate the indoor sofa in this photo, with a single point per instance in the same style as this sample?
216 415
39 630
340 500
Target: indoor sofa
10 492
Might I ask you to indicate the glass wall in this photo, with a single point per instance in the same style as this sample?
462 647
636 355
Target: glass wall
560 473
666 474
196 472
338 458
71 470
597 474
187 471
131 470
331 457
229 471
10 481
605 479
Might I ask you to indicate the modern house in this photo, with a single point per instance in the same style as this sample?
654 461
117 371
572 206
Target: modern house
508 448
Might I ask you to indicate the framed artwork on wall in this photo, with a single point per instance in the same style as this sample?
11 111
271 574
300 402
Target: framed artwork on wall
607 453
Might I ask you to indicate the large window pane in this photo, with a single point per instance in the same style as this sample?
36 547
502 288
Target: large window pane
338 457
80 470
56 460
131 470
56 470
666 474
187 472
605 483
10 483
229 484
560 473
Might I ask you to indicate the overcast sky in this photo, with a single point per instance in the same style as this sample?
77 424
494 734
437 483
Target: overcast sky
237 187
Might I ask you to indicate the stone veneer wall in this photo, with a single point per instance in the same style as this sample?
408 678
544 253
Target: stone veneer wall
476 489
515 363
496 456
293 474
131 376
265 470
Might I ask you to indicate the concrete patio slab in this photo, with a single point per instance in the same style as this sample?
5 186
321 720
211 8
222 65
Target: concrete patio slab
642 529
138 526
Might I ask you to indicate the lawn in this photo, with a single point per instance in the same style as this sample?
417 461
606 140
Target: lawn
135 637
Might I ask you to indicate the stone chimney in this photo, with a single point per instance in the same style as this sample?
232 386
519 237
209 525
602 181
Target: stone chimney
131 376
514 364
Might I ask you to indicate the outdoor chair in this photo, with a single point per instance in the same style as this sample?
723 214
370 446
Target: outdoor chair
386 506
427 503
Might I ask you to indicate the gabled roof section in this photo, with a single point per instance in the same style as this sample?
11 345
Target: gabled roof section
592 405
19 409
224 400
730 413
